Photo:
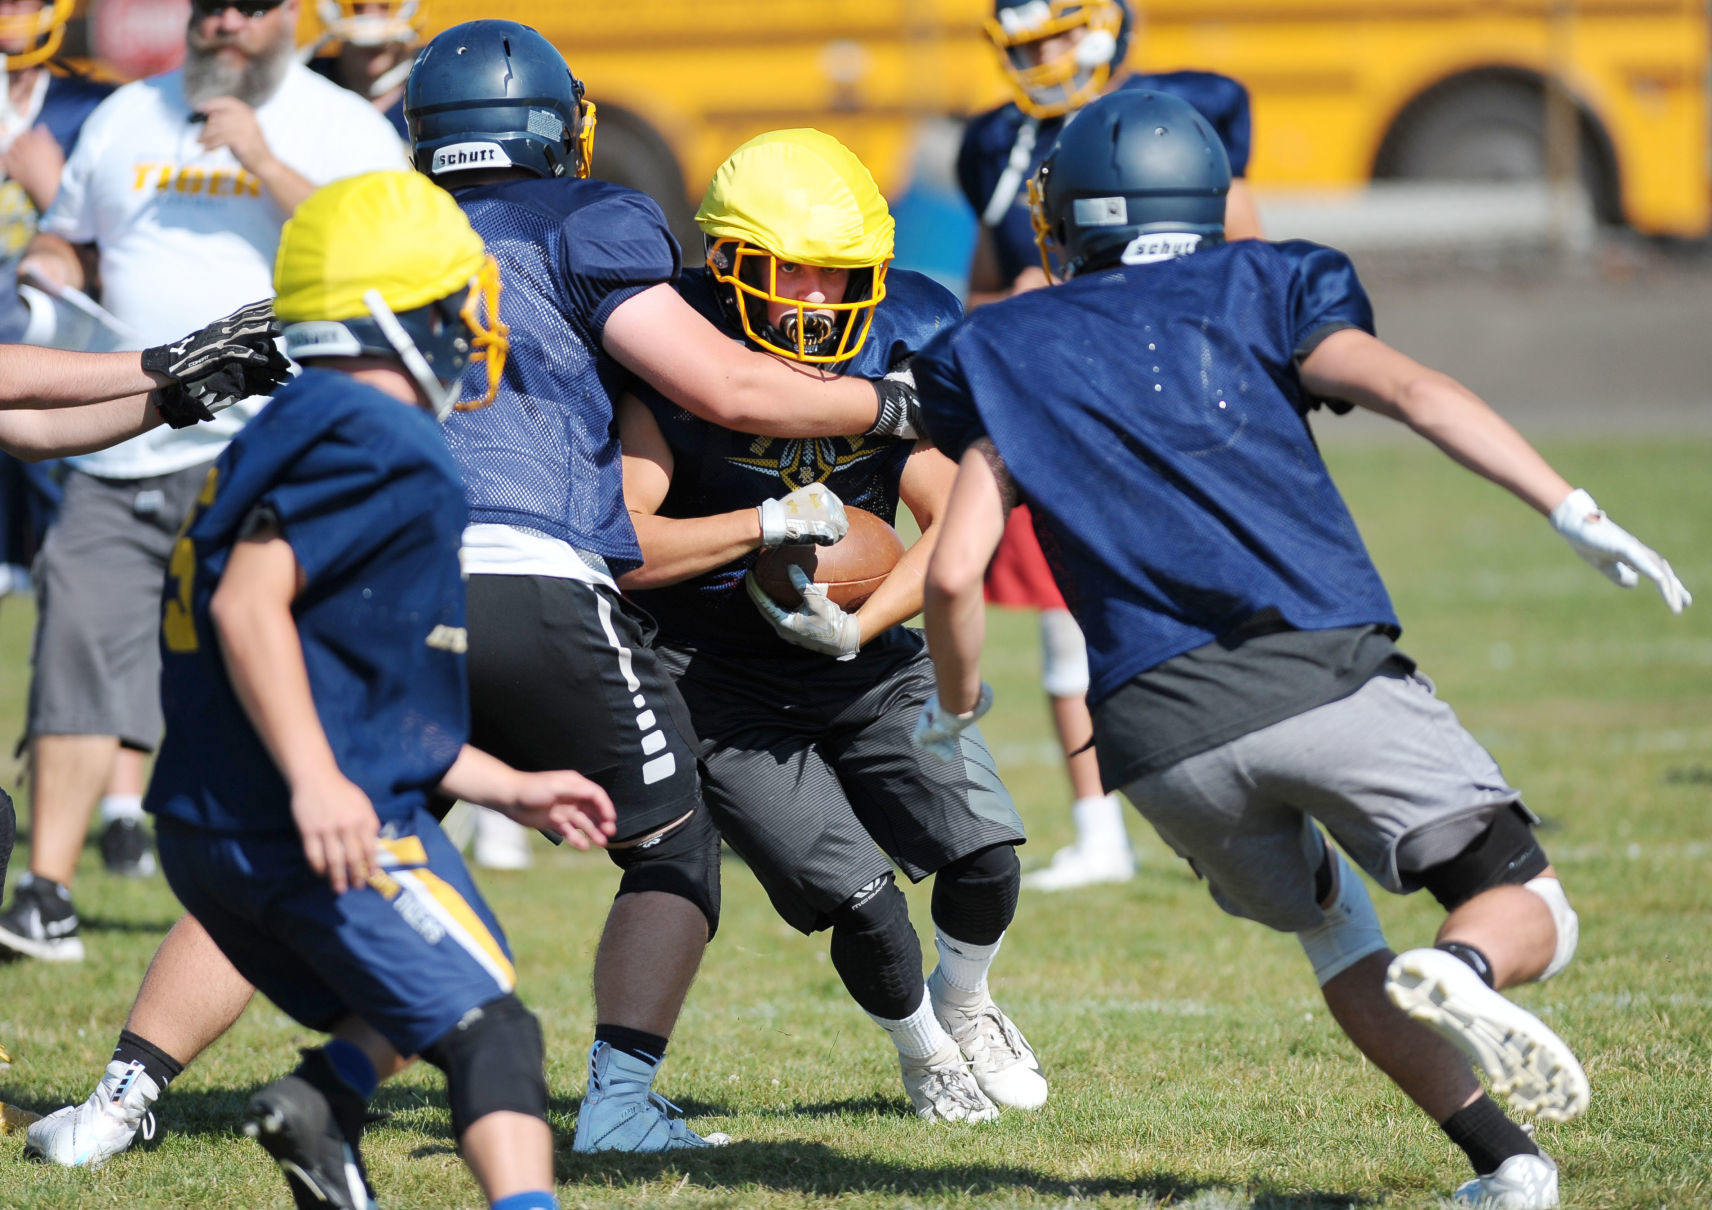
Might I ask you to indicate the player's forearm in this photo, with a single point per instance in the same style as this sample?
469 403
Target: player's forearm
33 377
57 258
756 393
477 777
1457 421
899 596
264 661
954 609
677 548
285 185
65 431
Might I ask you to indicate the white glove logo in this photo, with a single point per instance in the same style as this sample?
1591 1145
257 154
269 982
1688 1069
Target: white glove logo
1617 553
809 514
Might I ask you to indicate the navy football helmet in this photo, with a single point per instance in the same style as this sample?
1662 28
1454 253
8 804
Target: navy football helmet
496 94
1135 176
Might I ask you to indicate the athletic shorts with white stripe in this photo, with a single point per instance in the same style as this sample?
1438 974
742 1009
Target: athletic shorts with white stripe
563 676
410 953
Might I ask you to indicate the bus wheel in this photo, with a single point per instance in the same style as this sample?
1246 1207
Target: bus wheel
1491 129
628 151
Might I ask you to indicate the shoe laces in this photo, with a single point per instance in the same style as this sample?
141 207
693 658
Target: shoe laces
952 1082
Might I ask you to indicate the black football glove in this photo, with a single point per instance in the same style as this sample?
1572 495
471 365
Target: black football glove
245 337
900 406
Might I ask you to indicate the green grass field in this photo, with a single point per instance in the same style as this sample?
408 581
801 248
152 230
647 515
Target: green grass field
1192 1062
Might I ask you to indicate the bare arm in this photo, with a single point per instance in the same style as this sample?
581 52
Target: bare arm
1354 366
562 802
666 342
62 432
33 377
1242 216
925 487
56 259
251 612
981 499
674 548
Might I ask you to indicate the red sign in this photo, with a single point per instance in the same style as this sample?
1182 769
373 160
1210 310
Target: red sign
139 37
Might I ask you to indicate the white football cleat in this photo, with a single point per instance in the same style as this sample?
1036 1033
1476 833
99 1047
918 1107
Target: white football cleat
1075 866
1524 1059
621 1112
1000 1058
1522 1182
101 1127
942 1088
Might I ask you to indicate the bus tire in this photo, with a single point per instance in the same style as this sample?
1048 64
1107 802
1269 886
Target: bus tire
628 151
1492 127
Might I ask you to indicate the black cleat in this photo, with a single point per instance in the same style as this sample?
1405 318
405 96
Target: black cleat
293 1121
126 850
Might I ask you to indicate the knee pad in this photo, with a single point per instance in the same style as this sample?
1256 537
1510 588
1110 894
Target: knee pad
975 897
683 861
1563 916
1505 854
492 1060
1351 929
1063 654
876 952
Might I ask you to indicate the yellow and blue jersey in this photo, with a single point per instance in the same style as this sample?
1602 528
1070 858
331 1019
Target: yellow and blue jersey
363 488
1154 420
544 455
1004 147
719 470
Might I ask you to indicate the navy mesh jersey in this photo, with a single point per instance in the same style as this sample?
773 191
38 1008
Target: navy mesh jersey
1154 420
990 140
718 470
544 455
363 489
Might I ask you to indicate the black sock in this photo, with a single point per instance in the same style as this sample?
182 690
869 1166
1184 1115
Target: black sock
159 1066
1474 958
1486 1136
639 1044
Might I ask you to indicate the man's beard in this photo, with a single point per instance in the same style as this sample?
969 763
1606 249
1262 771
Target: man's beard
206 76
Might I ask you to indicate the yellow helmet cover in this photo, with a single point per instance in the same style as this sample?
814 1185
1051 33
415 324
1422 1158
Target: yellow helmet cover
798 197
398 240
41 33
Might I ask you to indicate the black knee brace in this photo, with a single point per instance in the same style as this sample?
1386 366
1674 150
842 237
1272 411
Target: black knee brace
492 1060
682 862
975 897
876 952
1505 854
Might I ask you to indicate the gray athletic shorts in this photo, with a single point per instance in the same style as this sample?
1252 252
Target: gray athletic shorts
99 577
1388 771
814 781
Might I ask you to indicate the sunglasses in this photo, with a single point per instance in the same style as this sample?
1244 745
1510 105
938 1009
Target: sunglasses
246 8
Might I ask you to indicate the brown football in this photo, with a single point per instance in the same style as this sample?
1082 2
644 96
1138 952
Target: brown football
850 569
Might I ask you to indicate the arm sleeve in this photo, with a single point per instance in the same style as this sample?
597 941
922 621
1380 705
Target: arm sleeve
612 250
1325 296
948 411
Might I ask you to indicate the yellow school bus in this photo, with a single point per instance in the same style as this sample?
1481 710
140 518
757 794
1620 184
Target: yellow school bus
1344 91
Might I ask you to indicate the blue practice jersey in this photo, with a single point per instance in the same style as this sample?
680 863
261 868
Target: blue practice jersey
363 489
994 139
66 106
719 470
544 455
1154 420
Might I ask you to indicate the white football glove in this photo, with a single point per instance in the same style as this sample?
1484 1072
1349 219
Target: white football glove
809 514
1614 550
937 730
816 624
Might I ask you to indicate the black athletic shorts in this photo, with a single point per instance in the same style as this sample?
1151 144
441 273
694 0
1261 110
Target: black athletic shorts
814 781
562 677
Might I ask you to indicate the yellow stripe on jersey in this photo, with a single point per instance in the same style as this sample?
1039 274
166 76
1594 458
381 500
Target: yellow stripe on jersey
405 851
463 923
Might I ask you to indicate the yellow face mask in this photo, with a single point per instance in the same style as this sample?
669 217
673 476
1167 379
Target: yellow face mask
585 140
1042 233
806 330
40 32
398 21
490 336
1070 79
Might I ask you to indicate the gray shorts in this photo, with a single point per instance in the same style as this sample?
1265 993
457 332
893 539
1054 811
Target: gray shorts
100 575
815 782
1389 771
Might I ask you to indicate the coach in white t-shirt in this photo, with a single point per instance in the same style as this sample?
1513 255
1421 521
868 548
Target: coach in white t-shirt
177 191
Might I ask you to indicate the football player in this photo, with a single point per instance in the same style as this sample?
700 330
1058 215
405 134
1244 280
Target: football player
1057 56
803 714
561 671
1246 685
375 41
316 604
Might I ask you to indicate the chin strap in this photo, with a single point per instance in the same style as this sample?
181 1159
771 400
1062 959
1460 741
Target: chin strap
440 395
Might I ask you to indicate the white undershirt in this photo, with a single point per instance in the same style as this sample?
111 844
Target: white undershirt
504 550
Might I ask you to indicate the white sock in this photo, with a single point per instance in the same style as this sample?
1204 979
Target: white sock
1099 823
963 966
121 806
919 1035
